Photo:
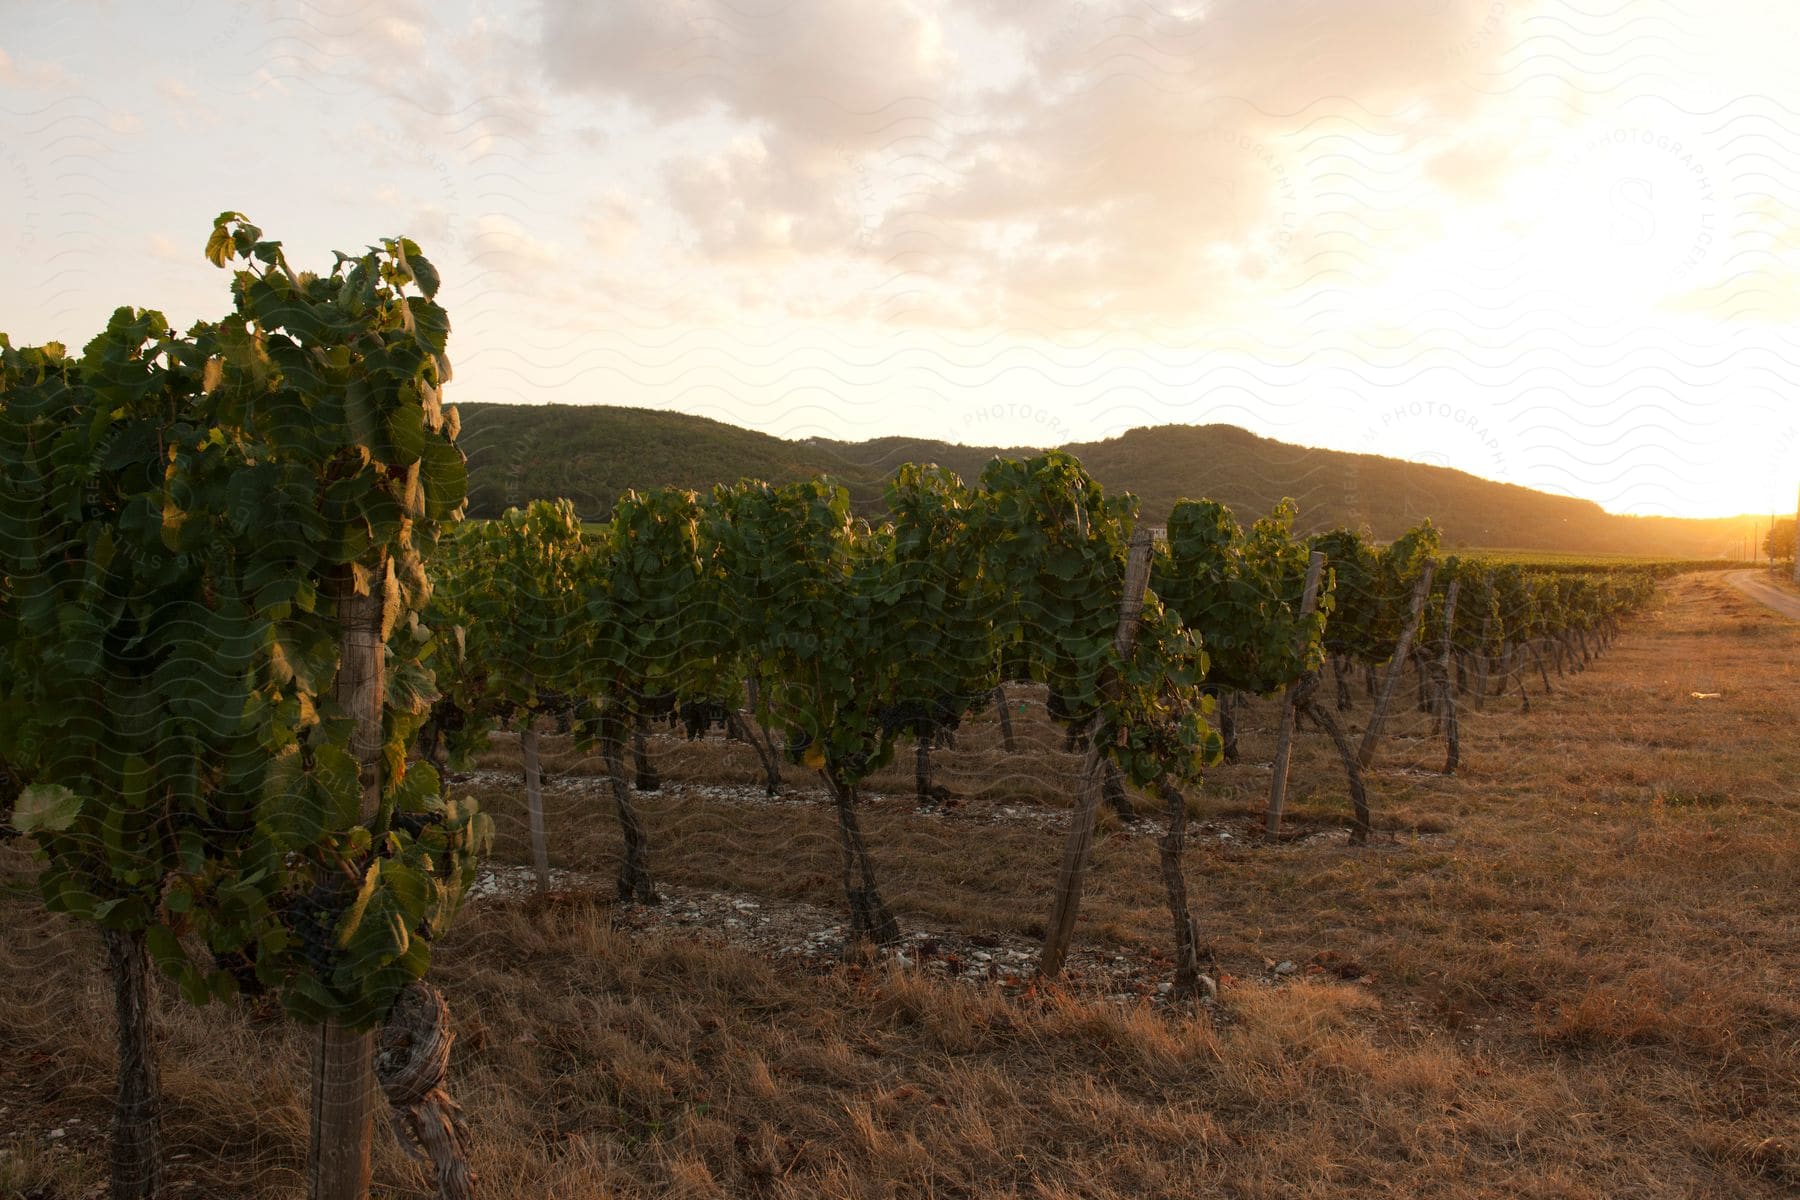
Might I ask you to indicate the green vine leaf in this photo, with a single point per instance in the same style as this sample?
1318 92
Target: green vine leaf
49 808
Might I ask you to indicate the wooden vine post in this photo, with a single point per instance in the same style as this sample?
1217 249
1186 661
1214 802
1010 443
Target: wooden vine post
1284 736
1080 841
534 794
1446 689
1482 655
1366 753
343 1070
1006 726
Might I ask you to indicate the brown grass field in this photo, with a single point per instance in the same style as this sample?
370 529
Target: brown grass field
1569 971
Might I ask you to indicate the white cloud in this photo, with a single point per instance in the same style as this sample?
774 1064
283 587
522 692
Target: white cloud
32 76
501 244
189 108
1133 143
612 225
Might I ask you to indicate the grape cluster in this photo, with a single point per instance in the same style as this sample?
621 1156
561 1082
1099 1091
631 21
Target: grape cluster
312 919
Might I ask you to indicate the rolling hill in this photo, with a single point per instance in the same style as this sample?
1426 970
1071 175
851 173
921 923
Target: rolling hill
592 453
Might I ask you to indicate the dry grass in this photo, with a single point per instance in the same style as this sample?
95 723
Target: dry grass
1580 957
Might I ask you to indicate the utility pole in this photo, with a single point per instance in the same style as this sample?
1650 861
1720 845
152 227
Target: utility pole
1797 541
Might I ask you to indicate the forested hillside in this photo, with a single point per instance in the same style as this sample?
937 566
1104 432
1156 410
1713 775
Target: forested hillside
592 453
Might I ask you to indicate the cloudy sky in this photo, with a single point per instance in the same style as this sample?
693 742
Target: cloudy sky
1549 243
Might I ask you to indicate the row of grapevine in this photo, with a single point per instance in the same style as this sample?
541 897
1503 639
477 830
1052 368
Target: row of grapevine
220 648
840 635
1464 624
1504 607
1261 600
212 667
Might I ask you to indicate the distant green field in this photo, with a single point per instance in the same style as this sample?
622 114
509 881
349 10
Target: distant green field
1551 560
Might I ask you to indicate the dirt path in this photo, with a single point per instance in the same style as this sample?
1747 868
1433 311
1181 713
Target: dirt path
1757 586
